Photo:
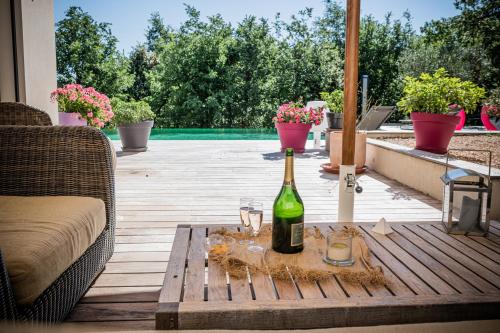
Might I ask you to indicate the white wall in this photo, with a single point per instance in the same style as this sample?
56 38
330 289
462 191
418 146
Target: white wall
36 54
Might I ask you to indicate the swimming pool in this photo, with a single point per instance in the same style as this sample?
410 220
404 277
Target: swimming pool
208 134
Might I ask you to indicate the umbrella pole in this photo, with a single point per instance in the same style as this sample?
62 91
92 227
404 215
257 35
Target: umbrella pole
347 172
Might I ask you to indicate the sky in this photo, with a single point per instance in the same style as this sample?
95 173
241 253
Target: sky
129 18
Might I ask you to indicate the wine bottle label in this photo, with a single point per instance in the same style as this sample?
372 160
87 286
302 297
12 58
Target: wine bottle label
297 234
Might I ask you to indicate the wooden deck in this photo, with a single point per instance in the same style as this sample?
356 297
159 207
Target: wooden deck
200 182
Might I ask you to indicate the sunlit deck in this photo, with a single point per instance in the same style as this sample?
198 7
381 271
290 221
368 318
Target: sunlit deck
195 182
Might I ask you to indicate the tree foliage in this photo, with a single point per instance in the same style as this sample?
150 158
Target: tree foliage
86 54
209 73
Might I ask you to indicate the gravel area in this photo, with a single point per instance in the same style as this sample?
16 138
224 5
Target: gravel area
485 141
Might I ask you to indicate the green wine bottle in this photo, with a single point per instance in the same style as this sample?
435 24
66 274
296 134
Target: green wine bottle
288 214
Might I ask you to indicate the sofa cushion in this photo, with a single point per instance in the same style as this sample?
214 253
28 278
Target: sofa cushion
40 237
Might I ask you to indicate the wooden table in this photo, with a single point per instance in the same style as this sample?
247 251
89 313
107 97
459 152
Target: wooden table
433 277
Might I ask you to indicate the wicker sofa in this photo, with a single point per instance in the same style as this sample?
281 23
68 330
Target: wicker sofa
14 113
50 162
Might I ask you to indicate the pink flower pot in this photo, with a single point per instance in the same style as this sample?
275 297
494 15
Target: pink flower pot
461 123
433 132
71 119
485 118
293 135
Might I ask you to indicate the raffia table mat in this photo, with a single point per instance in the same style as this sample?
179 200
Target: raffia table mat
306 265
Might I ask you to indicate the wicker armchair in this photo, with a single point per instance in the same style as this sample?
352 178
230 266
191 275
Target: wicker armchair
21 114
70 161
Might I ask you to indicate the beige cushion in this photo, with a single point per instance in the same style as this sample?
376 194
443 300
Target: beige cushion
40 237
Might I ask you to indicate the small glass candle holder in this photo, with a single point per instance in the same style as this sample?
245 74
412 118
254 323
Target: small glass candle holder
338 249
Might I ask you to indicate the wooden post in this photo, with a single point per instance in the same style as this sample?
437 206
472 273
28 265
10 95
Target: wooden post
350 82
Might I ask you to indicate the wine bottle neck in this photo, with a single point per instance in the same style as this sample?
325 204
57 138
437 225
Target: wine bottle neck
289 171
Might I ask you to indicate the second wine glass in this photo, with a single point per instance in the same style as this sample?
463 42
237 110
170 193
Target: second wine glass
256 216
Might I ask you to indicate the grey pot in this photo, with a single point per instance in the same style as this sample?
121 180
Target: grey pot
135 136
335 120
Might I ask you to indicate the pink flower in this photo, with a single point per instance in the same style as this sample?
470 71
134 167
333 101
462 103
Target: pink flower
90 114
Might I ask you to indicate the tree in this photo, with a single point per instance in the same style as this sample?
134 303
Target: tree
469 42
157 33
381 45
86 54
141 63
189 84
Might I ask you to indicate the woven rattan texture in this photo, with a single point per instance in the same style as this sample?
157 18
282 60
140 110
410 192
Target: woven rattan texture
23 115
76 161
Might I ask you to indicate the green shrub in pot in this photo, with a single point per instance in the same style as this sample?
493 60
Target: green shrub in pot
335 103
134 121
433 93
427 99
131 112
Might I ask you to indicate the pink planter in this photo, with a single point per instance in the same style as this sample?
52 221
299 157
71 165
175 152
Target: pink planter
485 118
461 124
433 132
71 119
293 136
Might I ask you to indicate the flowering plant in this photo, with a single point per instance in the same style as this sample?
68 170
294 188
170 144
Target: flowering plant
90 104
296 112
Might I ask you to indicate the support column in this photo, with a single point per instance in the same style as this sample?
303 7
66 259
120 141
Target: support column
347 168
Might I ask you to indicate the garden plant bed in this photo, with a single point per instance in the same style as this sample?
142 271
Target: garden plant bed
484 141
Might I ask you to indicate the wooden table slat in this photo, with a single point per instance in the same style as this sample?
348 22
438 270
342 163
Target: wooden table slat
475 245
494 239
458 245
430 277
436 261
407 276
174 276
476 267
487 242
309 289
240 288
286 289
263 286
332 289
395 284
460 270
217 279
195 274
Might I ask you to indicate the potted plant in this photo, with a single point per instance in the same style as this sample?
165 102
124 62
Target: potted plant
293 122
335 104
427 99
79 106
134 121
490 112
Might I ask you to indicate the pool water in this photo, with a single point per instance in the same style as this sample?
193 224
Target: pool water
208 134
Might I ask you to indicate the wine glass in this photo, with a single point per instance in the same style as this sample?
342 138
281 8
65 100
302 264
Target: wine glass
244 210
244 214
255 216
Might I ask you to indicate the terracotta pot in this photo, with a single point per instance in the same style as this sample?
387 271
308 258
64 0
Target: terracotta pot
433 132
135 137
71 119
335 120
293 136
336 149
485 119
461 123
